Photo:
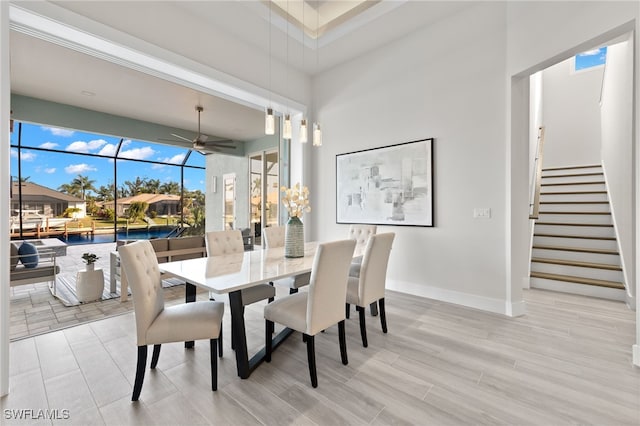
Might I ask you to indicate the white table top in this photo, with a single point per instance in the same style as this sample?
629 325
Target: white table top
224 274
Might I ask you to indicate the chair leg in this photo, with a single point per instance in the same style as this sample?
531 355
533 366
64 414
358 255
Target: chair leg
383 315
374 309
268 331
347 310
213 345
140 369
363 326
155 356
311 357
220 342
293 290
343 343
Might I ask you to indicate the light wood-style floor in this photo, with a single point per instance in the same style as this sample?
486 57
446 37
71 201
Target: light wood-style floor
567 361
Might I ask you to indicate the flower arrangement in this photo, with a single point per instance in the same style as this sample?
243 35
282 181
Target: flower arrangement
89 258
296 200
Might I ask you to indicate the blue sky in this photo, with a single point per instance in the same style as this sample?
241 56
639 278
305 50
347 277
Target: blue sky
591 58
54 169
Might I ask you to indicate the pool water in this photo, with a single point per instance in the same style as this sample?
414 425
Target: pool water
137 234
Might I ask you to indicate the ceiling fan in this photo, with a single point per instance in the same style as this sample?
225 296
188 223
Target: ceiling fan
200 143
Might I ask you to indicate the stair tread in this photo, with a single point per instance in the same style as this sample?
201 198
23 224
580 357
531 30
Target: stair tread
573 193
576 249
573 175
578 280
599 182
581 213
575 224
571 167
583 237
574 202
594 265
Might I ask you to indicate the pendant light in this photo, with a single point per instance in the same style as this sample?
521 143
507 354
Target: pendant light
317 132
286 128
303 123
269 119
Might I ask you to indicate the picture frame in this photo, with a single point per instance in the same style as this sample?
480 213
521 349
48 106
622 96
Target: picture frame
389 185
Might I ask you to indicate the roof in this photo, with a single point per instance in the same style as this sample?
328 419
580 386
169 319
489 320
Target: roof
149 198
33 189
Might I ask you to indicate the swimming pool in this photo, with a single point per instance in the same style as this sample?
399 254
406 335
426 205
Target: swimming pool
136 234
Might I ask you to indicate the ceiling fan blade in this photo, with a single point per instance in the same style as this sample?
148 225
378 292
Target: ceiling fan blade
181 137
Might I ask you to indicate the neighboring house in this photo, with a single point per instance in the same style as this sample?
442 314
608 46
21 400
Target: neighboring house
45 201
161 204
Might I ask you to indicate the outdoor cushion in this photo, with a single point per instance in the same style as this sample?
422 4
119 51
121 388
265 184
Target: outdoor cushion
186 243
28 255
14 256
160 245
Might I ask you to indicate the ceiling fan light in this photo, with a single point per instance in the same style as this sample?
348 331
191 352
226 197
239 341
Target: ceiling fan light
286 128
317 135
269 122
303 130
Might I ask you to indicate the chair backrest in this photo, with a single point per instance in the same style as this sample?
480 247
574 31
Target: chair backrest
361 234
140 265
328 285
373 273
274 236
224 242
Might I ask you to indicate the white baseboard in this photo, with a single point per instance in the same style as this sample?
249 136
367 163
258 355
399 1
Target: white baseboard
636 355
489 304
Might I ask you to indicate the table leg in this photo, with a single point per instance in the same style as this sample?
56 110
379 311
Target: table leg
189 296
239 334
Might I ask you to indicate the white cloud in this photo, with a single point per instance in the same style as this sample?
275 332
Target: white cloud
74 169
50 171
176 159
158 166
85 147
137 153
58 131
109 149
48 145
590 52
25 156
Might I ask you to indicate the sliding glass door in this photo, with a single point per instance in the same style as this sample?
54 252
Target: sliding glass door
264 186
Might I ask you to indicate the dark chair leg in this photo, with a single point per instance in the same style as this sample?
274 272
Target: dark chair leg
374 309
220 342
347 310
271 299
363 326
268 331
293 290
311 357
140 369
383 315
343 343
213 345
155 356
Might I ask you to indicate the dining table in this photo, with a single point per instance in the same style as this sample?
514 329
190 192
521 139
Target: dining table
228 275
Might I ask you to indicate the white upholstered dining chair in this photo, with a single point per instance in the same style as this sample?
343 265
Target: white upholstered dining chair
157 324
360 233
318 308
369 286
274 237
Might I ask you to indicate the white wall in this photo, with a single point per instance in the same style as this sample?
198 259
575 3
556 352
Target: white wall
447 82
571 110
617 147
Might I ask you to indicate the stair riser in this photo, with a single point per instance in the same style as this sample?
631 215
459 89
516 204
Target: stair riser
594 169
575 242
587 231
578 271
574 179
573 197
573 188
571 255
587 290
573 207
579 218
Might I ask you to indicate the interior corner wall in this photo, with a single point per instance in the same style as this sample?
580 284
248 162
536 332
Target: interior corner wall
571 111
448 82
617 148
217 166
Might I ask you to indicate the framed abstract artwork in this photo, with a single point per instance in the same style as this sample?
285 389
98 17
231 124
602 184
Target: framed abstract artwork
391 185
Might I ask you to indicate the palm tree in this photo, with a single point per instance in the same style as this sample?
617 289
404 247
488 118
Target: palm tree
70 189
84 184
136 187
105 193
152 186
170 188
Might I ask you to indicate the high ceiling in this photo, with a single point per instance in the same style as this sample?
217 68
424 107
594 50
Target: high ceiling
345 30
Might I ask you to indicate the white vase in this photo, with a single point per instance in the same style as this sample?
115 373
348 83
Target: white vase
90 266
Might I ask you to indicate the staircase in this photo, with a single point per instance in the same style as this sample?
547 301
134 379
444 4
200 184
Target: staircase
574 241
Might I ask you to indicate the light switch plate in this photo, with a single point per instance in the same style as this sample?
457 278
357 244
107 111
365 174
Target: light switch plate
482 213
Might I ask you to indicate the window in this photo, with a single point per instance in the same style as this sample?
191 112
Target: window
590 59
